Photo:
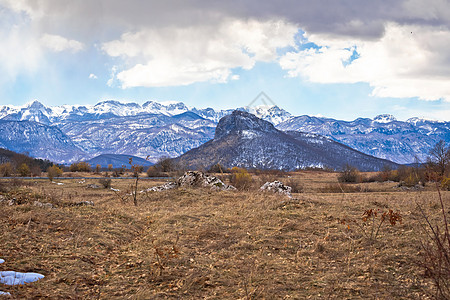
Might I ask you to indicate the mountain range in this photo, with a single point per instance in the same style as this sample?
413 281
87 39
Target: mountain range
244 140
70 133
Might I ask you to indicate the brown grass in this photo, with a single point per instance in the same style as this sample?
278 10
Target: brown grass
196 243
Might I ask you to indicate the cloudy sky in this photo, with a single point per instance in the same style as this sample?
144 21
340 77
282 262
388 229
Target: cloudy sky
343 59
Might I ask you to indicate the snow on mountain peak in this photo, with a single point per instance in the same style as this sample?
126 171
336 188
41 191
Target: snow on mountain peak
271 113
36 105
384 118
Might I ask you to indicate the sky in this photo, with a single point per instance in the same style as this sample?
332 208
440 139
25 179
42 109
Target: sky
336 58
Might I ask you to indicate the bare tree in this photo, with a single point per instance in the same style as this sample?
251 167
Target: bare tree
440 157
136 169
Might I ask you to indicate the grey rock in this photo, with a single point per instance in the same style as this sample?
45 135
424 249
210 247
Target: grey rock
278 188
164 187
200 179
41 204
194 179
9 202
83 203
93 186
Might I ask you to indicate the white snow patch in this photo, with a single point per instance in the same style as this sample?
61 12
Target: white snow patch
386 118
249 134
16 278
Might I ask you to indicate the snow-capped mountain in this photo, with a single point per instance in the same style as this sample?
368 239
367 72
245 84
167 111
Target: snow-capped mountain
52 115
38 140
241 139
141 135
384 136
154 129
172 128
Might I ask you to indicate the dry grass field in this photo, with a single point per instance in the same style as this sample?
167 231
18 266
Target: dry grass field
201 244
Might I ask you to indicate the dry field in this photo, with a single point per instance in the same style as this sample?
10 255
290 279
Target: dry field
196 243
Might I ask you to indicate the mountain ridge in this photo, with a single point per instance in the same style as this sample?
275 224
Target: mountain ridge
243 140
172 128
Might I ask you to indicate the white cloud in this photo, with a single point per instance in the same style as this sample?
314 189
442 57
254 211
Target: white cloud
408 61
183 55
92 76
16 55
58 43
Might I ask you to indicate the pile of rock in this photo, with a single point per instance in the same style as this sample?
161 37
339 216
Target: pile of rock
43 204
9 202
92 186
164 187
277 187
194 179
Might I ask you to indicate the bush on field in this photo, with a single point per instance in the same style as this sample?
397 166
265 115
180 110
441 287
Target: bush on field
349 175
6 169
295 184
218 168
241 179
105 182
81 166
24 170
153 171
165 164
53 171
445 184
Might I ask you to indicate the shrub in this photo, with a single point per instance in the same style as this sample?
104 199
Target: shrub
411 176
372 220
349 175
218 168
81 166
439 158
118 172
445 184
98 169
295 184
137 169
411 180
36 170
241 179
6 169
436 252
153 171
165 164
53 171
24 170
105 182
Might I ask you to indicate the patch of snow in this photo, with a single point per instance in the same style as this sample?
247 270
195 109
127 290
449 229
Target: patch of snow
249 134
115 190
385 118
168 102
16 278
